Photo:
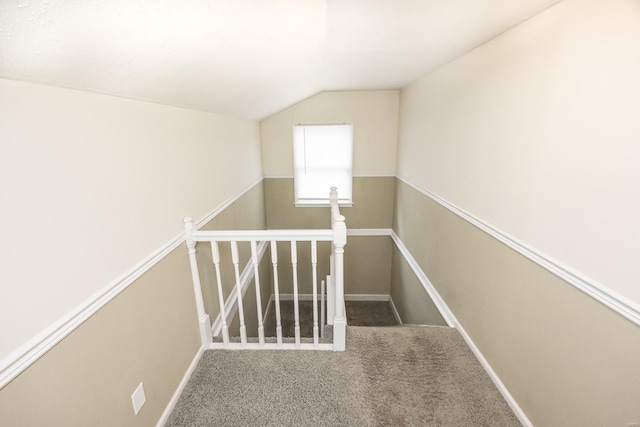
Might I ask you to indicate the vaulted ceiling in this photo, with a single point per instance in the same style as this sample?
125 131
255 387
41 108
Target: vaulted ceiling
246 58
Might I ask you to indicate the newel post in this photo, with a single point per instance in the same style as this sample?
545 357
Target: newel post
339 241
203 318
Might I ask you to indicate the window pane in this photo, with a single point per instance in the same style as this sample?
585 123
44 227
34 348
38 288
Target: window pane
323 156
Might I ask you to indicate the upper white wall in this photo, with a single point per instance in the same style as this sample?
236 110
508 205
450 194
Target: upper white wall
374 115
537 132
91 184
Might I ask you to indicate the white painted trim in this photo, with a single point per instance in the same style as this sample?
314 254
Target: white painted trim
183 383
366 297
395 311
442 307
355 175
268 309
347 297
231 306
214 213
320 235
452 321
369 232
322 205
19 360
611 299
270 346
374 175
511 401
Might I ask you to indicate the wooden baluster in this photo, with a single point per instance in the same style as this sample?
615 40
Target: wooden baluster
330 299
314 265
296 311
235 259
215 252
276 290
322 308
256 274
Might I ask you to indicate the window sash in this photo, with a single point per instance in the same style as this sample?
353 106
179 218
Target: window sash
323 158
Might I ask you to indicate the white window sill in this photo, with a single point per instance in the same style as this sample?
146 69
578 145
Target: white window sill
322 205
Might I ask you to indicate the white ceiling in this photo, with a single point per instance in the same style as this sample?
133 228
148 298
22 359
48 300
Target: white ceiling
246 58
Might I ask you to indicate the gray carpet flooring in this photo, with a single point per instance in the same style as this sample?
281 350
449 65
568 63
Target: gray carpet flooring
402 376
370 313
359 313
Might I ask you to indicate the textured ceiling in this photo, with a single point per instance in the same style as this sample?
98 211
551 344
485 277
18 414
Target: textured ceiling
247 58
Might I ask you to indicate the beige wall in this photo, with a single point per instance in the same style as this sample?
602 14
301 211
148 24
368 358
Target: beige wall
97 183
372 205
536 132
374 115
375 118
566 359
367 259
412 302
149 333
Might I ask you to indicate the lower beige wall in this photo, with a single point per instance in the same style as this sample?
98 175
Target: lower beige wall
414 305
372 205
148 333
367 259
367 265
566 359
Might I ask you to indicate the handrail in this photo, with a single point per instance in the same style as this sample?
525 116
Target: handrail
336 316
263 235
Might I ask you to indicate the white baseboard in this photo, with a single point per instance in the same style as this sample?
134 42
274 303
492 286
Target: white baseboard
442 307
511 401
366 297
347 297
395 311
452 321
368 232
176 395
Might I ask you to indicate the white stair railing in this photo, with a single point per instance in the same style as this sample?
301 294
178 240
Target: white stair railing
335 282
339 229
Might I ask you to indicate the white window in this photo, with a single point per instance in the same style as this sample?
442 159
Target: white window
322 158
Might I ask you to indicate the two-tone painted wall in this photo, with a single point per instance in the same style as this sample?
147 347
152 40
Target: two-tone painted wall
534 138
517 195
374 115
96 292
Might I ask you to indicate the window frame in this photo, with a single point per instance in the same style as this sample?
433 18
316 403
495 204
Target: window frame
324 201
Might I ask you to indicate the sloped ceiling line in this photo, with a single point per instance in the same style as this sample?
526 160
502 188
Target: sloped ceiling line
245 58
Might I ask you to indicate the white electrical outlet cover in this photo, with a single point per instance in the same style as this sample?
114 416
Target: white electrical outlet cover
138 398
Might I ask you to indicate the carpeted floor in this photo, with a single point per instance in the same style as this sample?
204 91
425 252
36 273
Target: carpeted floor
359 313
370 313
399 376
